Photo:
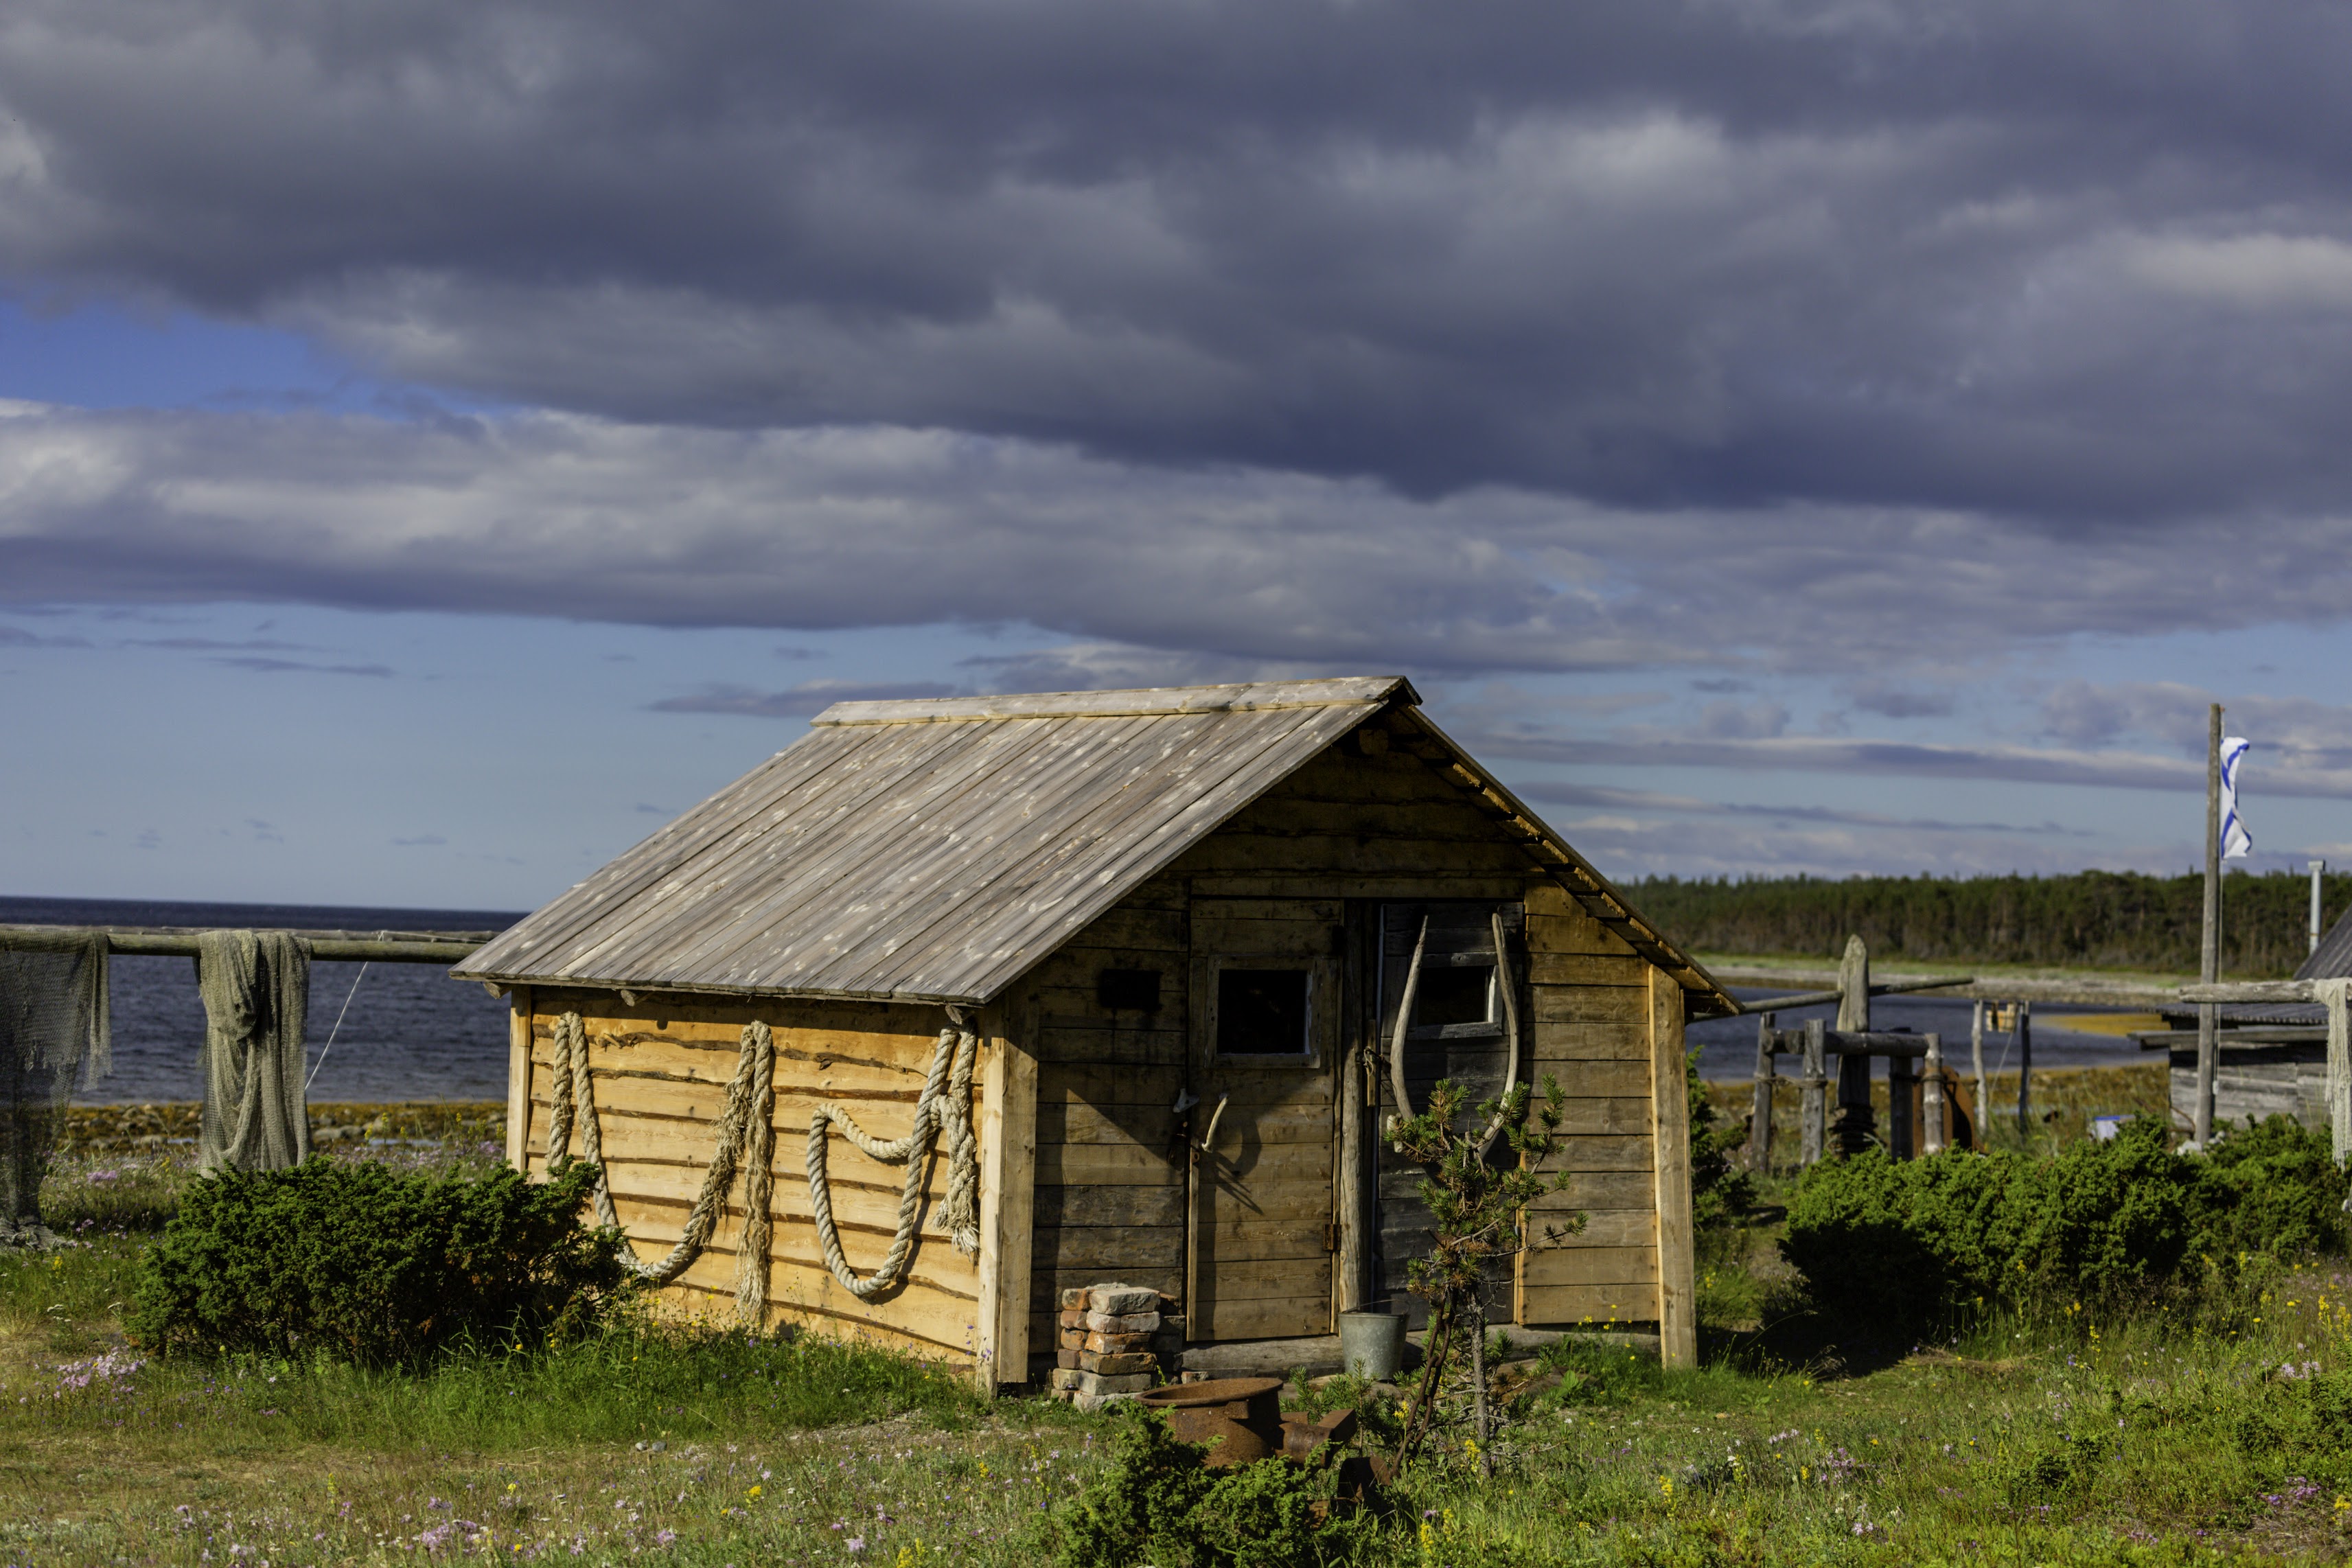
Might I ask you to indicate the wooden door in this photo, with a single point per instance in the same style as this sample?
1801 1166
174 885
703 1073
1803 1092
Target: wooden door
1458 1031
1267 1009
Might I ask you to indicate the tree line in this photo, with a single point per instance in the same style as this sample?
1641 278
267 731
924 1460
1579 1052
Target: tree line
2120 920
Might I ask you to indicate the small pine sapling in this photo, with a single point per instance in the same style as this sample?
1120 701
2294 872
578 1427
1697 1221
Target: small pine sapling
1477 1216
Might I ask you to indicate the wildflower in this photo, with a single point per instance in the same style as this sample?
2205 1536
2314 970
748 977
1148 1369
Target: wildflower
856 1543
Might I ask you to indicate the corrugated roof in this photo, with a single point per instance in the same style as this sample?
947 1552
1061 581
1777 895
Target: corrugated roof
935 850
2332 959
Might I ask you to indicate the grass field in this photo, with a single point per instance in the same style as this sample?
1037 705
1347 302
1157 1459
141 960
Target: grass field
2141 1441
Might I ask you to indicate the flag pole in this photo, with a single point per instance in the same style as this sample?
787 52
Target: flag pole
2208 966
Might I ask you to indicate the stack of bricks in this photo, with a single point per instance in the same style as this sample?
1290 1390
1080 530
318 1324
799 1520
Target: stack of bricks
1104 1344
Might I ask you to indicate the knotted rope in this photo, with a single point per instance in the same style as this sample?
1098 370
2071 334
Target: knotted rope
945 1106
746 1137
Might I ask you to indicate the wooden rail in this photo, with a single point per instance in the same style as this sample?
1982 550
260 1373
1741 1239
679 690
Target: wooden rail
327 946
1819 998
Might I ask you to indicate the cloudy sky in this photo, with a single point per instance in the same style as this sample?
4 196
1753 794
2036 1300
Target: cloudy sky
439 440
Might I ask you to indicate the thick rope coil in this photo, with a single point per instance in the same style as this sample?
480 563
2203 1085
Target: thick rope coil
746 1137
945 1108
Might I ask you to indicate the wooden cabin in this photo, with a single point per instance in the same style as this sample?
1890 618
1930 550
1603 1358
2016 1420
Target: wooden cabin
1181 923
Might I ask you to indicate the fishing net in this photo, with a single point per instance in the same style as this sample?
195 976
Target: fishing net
53 1028
256 992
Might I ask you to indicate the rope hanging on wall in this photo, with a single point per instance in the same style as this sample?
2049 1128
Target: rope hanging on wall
944 1108
746 1137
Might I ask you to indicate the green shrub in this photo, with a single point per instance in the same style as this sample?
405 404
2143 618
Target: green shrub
357 1261
1158 1502
1720 1190
1896 1245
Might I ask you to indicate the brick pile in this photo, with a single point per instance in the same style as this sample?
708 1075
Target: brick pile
1105 1348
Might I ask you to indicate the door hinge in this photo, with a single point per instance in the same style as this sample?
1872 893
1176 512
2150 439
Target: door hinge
1331 1237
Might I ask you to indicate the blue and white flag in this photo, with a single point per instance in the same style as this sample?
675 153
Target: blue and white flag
2236 842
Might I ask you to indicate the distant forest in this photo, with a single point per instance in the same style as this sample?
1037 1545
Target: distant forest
2093 919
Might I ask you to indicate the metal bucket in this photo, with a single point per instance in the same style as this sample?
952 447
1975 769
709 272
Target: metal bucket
1241 1416
1371 1344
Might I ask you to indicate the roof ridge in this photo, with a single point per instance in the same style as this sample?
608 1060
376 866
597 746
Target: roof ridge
1128 702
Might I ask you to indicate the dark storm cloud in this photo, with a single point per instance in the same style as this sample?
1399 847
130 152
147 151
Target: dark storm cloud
2071 261
1154 574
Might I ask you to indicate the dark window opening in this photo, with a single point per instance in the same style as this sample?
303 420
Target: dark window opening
1452 993
1261 1011
1128 990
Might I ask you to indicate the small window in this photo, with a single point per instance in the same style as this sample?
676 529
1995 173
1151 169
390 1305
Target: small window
1128 990
1453 994
1262 1012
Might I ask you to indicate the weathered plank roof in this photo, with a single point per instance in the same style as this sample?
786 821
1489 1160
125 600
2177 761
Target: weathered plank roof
2332 959
935 850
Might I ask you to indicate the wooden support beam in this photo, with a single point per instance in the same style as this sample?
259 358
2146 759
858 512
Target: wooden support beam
2249 991
519 1018
1812 1094
1935 1136
1900 1077
1008 1197
1822 998
1760 1119
1670 1143
326 946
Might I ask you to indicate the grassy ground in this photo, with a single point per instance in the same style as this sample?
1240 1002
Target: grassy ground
1799 1442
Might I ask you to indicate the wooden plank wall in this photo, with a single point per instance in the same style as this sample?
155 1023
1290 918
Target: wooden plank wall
1383 823
1592 1027
2248 1080
1111 1182
661 1069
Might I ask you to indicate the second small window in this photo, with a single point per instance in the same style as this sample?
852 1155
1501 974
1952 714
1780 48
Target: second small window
1262 1012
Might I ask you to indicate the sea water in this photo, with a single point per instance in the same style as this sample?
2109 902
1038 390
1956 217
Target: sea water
410 1033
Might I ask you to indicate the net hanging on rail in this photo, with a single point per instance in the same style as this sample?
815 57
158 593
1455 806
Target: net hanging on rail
54 1028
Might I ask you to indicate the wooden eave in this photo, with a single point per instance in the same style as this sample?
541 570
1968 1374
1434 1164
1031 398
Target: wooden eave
1704 996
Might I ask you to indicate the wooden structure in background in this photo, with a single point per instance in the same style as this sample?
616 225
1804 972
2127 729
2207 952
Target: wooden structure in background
1175 912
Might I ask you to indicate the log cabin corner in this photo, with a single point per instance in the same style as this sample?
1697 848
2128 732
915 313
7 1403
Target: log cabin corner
1147 947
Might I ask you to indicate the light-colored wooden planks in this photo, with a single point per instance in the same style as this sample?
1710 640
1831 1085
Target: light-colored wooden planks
1008 1171
877 859
1676 1260
1547 1266
1572 1306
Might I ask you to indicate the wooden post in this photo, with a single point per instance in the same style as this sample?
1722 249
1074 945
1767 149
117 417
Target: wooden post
1008 1197
1936 1136
1812 1096
2339 1067
2209 951
519 1078
1670 1150
1982 1105
1350 1199
1854 1120
2318 871
2024 1065
1760 1119
1900 1077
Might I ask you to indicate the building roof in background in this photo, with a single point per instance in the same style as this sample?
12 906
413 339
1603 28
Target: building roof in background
2332 959
936 850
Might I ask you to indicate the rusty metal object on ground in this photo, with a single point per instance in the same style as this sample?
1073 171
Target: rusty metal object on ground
1303 1434
1241 1415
